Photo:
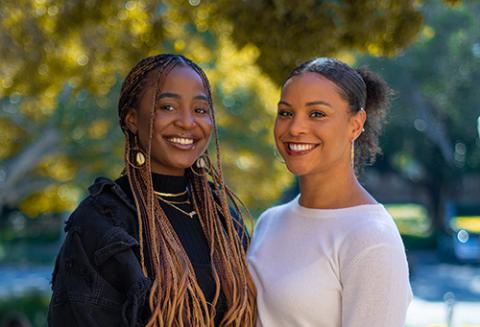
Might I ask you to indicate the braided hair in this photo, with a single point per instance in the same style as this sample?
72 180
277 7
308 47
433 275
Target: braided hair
176 298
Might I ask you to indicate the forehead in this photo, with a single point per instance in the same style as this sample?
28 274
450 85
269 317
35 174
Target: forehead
310 86
181 78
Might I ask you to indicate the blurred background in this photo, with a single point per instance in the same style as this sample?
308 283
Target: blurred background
60 71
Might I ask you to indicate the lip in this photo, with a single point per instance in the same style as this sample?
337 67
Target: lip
181 146
299 152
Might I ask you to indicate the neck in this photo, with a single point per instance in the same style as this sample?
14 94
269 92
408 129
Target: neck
169 183
157 169
336 188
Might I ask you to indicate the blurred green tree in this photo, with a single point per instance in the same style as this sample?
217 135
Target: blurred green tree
61 63
60 125
289 32
433 138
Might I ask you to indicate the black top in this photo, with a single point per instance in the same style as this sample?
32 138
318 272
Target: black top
188 230
97 279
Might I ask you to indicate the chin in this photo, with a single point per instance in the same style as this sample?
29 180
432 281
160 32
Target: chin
184 165
298 170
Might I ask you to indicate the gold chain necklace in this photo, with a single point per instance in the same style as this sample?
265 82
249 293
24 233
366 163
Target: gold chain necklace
189 214
176 202
170 195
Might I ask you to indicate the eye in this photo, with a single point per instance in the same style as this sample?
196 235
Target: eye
167 107
316 114
284 113
201 110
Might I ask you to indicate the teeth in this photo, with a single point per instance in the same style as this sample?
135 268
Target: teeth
300 147
180 140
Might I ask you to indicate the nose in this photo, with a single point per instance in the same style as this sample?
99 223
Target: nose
185 119
297 126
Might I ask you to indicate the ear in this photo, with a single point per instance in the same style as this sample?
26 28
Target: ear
357 122
131 120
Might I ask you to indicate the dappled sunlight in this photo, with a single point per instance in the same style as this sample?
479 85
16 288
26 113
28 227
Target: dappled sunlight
61 72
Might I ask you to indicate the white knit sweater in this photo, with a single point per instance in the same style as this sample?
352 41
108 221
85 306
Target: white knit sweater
329 267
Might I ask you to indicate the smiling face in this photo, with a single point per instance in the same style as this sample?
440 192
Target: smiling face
182 120
314 128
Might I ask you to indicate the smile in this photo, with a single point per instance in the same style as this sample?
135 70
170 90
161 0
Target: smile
299 148
180 140
183 143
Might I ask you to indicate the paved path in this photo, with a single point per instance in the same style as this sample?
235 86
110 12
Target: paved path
431 279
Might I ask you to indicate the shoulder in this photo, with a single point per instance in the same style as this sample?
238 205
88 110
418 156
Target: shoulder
373 233
372 225
268 218
271 213
105 206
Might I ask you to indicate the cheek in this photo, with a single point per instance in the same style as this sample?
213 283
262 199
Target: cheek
162 118
278 128
206 124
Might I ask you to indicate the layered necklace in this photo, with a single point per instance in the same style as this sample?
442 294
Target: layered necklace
164 197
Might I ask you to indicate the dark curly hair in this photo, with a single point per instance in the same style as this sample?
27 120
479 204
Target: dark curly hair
362 89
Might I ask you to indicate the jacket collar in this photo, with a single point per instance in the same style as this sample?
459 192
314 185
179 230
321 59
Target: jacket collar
103 184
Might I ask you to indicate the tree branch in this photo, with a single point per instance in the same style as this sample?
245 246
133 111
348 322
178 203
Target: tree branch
27 160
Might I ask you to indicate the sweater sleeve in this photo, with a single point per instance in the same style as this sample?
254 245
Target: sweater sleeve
375 287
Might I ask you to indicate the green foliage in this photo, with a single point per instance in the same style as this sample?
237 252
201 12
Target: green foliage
87 41
74 54
18 229
432 138
33 306
82 41
411 219
288 32
62 62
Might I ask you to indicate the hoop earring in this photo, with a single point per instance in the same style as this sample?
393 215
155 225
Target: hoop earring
278 157
137 154
201 164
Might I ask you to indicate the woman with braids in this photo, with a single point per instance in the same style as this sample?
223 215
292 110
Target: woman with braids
159 246
332 256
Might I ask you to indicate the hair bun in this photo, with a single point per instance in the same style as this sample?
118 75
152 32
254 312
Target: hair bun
378 92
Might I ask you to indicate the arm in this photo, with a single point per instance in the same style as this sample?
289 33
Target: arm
375 288
97 279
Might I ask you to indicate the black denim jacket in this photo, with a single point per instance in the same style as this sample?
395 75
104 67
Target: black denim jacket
102 228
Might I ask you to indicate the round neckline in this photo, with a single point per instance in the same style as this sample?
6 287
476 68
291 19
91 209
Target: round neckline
333 212
169 183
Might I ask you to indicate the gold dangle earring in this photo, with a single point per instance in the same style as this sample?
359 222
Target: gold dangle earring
352 151
352 154
137 154
202 164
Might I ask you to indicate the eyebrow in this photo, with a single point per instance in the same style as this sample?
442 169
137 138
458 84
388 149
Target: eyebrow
201 97
177 96
284 103
312 103
167 95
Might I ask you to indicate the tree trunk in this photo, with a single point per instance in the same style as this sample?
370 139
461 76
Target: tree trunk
18 182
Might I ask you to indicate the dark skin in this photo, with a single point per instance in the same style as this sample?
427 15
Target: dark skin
314 131
182 123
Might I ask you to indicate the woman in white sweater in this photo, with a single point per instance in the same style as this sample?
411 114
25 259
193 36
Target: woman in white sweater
332 256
